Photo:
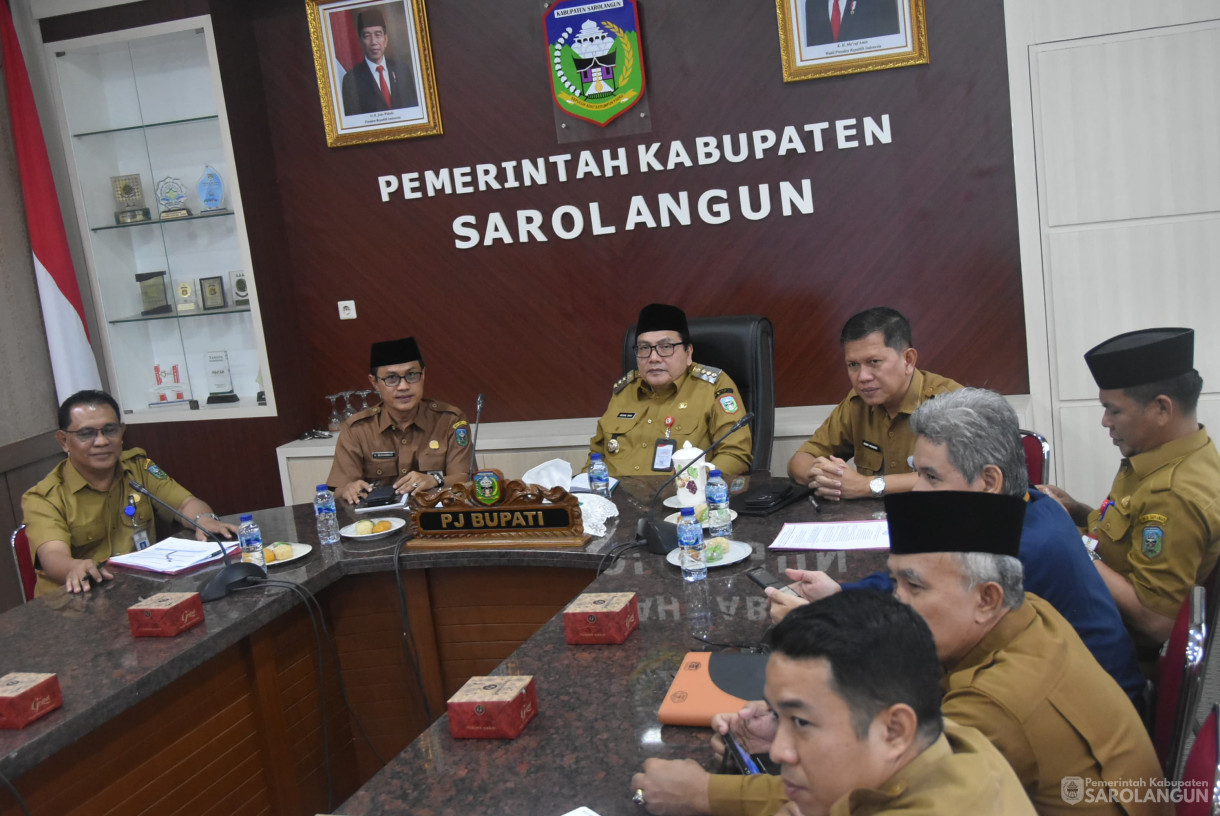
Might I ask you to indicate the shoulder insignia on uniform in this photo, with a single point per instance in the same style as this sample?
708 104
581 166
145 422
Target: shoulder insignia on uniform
156 471
706 373
1156 518
1152 540
625 380
459 424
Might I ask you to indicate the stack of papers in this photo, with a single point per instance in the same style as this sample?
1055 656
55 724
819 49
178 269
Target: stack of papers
833 535
173 555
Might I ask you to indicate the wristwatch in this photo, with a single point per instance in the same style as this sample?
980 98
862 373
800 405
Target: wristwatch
439 476
877 486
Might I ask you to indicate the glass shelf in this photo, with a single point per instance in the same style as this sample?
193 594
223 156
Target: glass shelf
176 315
213 214
211 118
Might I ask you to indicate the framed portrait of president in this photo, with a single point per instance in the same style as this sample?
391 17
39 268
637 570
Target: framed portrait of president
374 64
819 38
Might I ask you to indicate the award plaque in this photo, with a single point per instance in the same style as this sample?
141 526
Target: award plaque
220 381
171 196
240 287
154 298
213 292
186 296
211 189
129 195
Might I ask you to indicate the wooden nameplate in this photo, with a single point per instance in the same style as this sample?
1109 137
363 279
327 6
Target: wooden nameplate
492 513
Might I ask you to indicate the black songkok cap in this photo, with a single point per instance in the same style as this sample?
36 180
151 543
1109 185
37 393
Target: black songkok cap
394 352
367 19
662 317
954 521
1142 357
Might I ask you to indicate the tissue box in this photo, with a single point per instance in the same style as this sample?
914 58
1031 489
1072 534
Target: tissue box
26 696
492 707
165 614
601 617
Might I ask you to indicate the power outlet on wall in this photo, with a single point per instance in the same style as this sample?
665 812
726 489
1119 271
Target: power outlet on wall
347 310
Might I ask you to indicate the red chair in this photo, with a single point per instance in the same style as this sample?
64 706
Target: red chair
1179 675
1037 456
24 563
1202 771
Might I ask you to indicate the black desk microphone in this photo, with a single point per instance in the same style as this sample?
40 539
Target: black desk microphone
474 437
661 536
232 574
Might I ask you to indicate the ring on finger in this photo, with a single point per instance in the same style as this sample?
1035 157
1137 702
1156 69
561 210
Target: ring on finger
638 797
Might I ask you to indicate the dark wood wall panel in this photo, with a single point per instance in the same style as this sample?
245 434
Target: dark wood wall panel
926 224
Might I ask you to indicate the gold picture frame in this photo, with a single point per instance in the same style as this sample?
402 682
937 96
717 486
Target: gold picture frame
872 35
357 108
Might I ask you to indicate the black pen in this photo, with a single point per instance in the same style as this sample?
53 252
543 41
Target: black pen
814 502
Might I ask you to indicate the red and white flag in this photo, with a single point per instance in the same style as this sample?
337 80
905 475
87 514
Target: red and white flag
63 313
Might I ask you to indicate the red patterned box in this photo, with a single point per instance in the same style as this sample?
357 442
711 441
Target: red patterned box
26 696
493 707
601 617
165 614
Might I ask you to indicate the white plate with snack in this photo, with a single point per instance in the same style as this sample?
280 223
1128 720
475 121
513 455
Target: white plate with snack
736 551
372 529
672 518
296 550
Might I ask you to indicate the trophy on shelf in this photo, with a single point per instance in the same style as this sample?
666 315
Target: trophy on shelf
171 388
154 297
211 189
129 195
240 287
171 196
220 380
213 290
186 296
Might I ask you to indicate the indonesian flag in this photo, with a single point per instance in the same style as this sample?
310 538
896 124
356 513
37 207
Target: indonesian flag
63 313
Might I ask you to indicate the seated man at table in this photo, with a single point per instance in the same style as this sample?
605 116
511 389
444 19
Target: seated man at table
871 424
853 690
1013 668
1158 532
406 441
669 400
969 440
85 511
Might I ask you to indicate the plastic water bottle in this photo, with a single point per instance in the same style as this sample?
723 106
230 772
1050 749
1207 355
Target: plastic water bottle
251 539
719 519
599 475
327 517
690 546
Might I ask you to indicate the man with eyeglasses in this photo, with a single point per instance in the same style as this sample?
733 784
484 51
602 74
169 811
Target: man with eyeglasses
669 400
85 511
407 441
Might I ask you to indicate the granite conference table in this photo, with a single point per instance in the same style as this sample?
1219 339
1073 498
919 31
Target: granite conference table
228 717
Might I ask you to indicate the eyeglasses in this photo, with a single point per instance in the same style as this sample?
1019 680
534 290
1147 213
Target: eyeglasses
663 349
392 380
111 430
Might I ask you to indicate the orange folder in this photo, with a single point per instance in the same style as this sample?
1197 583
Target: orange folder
710 683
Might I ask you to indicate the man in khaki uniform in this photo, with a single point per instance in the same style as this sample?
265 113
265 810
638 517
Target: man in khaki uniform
1158 531
85 511
871 424
670 400
406 441
1013 668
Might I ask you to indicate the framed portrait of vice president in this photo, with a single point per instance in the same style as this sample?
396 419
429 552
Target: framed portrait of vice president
819 38
374 64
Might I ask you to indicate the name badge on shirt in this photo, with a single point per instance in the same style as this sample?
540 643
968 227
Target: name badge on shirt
663 455
139 539
383 454
870 445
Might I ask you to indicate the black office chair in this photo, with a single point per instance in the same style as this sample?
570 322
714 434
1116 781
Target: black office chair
742 345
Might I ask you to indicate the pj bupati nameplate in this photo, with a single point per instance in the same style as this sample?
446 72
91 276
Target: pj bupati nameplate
494 513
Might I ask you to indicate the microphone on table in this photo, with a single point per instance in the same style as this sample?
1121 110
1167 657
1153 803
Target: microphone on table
474 436
662 536
232 574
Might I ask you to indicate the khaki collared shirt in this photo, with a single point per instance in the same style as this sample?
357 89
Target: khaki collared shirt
1162 531
879 444
1033 689
960 773
63 507
704 403
371 447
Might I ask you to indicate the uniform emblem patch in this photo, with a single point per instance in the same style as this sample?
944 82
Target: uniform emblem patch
1152 539
156 471
729 404
462 435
